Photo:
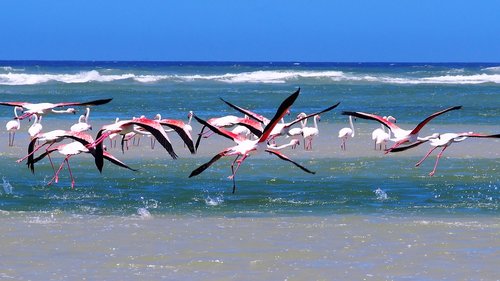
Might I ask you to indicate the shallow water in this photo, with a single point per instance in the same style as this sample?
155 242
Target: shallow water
362 216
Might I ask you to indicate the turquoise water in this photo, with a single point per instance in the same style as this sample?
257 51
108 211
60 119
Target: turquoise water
348 184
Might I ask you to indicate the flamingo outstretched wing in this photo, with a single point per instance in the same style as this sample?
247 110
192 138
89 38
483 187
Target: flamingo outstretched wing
88 103
179 128
280 113
369 116
220 131
432 116
203 167
284 157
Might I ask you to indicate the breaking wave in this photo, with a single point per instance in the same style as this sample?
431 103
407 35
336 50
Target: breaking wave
260 76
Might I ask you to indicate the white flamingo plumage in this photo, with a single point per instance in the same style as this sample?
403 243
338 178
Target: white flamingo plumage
83 123
47 107
13 125
346 133
309 133
36 127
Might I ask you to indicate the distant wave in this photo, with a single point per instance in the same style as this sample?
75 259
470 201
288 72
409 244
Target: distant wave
495 69
260 76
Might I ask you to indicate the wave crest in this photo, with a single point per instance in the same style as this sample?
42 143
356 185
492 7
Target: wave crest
259 76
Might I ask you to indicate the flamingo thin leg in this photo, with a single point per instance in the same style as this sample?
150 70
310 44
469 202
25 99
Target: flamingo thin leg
437 160
425 157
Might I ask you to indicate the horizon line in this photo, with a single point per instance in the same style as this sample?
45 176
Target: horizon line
249 61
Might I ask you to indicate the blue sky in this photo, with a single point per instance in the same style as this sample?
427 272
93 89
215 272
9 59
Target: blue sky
258 30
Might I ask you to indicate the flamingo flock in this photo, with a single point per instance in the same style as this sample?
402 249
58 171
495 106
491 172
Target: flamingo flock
251 134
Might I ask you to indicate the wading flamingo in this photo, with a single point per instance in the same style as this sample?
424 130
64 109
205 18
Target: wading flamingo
36 128
310 132
401 136
13 125
83 123
345 133
46 107
380 136
245 147
444 141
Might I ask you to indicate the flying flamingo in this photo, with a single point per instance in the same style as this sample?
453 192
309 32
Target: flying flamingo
245 147
401 136
83 123
345 133
127 126
228 121
444 141
36 128
52 137
182 129
13 125
46 107
71 149
310 132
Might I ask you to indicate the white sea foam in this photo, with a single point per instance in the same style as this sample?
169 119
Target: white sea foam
381 195
260 76
209 201
7 187
495 69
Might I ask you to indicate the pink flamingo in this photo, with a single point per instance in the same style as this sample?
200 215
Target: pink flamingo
71 149
444 141
13 125
228 121
127 126
46 107
244 147
52 137
402 136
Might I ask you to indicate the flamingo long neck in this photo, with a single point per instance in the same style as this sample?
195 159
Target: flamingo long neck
350 123
87 115
292 142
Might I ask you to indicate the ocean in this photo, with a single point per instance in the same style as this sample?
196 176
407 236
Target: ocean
281 223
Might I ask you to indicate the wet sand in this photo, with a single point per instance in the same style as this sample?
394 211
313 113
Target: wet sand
56 246
327 144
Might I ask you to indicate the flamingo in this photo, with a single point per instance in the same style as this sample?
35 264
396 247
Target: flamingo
127 126
36 128
13 125
310 132
83 123
444 141
71 149
228 121
52 137
345 133
46 107
402 136
182 129
112 137
380 136
245 147
296 133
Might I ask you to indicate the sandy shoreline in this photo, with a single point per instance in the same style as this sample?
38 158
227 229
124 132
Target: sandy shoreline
341 247
326 144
